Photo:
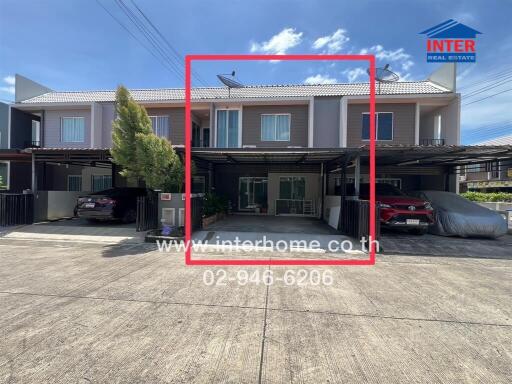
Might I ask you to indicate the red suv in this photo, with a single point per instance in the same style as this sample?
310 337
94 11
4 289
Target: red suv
397 210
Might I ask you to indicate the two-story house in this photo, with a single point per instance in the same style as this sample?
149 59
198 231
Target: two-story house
278 149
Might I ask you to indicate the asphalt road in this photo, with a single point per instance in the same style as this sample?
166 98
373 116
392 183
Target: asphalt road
97 313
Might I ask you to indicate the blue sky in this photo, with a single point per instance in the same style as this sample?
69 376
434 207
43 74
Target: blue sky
76 45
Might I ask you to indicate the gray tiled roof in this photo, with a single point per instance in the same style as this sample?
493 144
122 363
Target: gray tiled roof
261 91
503 140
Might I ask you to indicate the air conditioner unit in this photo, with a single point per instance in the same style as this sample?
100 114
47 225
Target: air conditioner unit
462 178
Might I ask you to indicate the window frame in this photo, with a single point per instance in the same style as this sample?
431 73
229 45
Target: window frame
8 181
293 177
216 133
377 126
102 176
168 128
275 126
62 128
81 181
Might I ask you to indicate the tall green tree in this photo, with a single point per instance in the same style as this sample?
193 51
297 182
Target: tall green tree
139 152
159 164
131 120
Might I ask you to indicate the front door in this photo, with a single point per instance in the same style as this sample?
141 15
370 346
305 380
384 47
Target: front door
252 193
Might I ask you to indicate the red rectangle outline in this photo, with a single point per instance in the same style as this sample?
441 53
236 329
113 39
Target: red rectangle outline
188 168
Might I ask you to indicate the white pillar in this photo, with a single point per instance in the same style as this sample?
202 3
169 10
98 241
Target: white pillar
34 179
343 122
311 120
417 125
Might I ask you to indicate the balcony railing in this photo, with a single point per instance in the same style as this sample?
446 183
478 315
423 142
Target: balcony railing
432 142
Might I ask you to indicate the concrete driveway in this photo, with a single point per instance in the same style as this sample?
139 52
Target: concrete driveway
109 232
97 313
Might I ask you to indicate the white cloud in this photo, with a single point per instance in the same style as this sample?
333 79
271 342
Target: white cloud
332 43
355 74
9 89
279 44
8 86
464 17
320 79
398 56
10 80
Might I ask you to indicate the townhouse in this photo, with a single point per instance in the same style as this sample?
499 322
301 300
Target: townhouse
275 150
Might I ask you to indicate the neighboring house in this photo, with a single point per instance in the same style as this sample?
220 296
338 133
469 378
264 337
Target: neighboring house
17 129
491 176
281 149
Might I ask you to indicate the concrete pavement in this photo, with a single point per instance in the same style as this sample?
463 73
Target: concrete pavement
86 313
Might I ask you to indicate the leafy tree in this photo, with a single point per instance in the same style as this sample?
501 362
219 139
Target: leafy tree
131 120
140 153
159 164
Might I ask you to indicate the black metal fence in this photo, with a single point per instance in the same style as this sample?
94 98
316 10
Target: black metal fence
355 219
147 212
16 209
197 212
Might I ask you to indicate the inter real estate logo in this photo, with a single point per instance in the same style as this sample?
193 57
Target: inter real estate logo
451 41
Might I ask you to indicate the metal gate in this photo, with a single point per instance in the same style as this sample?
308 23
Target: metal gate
16 209
147 212
355 219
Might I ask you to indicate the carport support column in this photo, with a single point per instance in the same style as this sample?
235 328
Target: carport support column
210 177
322 188
34 179
113 175
357 175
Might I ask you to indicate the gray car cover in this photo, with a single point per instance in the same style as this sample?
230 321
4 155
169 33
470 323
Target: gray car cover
457 216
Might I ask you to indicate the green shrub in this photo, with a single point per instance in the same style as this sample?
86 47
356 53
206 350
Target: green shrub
213 204
488 197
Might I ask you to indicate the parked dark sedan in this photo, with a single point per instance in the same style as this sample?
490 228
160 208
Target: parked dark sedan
110 204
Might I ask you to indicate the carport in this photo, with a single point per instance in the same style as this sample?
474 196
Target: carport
418 167
60 175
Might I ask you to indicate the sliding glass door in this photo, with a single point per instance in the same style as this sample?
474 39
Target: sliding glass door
228 128
252 193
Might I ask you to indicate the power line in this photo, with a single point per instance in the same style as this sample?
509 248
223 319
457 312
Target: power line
487 132
490 77
166 41
487 97
149 37
136 38
173 58
490 86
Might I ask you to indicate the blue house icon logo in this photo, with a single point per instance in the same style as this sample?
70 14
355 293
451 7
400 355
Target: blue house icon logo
451 41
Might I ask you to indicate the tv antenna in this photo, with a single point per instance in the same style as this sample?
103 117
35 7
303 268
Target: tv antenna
228 79
384 75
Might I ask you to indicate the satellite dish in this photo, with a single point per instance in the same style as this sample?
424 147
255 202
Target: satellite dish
384 75
228 79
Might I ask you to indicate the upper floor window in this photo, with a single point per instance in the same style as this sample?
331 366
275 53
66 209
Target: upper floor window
383 126
160 125
73 129
36 132
228 128
275 127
